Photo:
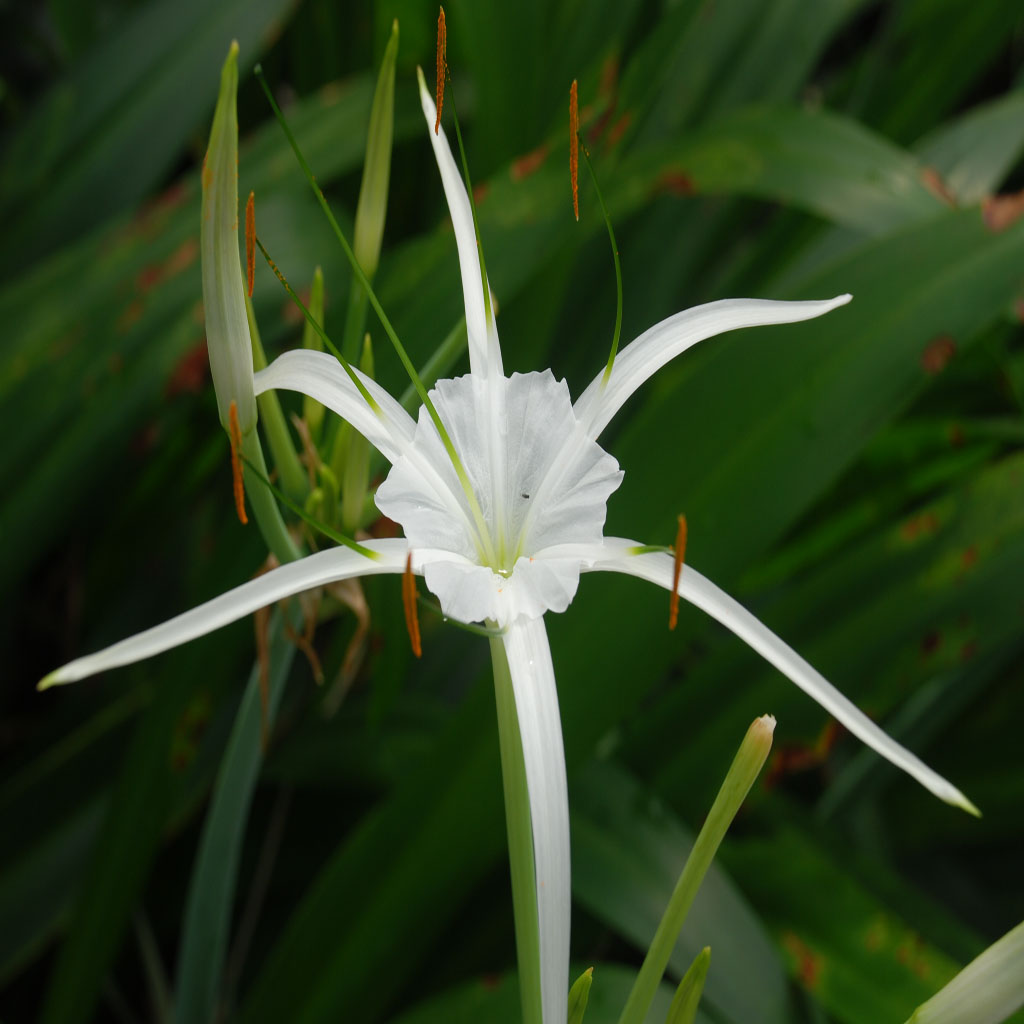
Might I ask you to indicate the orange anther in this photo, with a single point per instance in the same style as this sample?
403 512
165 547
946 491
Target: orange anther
574 155
236 462
250 239
412 621
677 571
442 66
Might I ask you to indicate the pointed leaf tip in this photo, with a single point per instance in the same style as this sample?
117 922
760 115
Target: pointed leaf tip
684 1005
578 996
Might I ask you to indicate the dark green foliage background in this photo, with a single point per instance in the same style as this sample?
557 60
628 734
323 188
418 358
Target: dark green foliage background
857 480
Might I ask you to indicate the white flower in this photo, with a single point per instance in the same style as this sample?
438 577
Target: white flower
504 536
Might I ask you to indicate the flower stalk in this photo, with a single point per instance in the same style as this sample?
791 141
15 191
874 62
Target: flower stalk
520 838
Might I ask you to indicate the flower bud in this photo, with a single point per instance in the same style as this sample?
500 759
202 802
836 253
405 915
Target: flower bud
227 330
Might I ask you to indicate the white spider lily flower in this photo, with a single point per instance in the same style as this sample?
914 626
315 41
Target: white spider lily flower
505 538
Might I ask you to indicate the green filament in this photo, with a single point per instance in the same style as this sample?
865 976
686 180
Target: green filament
615 257
316 524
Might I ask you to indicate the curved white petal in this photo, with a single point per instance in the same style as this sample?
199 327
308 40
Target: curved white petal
533 681
656 346
320 375
391 429
615 555
484 352
988 990
313 571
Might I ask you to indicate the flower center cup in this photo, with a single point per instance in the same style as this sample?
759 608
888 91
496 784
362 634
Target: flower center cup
539 481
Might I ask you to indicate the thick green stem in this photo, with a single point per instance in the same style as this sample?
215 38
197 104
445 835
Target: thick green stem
744 770
264 507
520 837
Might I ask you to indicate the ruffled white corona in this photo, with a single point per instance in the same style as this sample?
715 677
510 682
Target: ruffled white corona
510 435
508 541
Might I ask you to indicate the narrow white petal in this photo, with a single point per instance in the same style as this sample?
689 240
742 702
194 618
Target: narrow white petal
484 353
615 555
656 346
320 375
313 571
533 681
389 428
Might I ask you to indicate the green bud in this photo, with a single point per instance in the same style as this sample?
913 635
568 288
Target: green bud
227 331
373 192
986 991
684 1005
578 996
312 410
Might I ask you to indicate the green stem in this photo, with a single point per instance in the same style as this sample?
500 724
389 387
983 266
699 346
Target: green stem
264 507
744 770
286 459
520 837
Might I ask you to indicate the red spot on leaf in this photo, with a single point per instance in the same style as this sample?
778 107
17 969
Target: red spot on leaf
129 317
618 129
189 375
480 191
808 963
148 278
797 758
969 650
999 212
919 526
931 642
956 435
932 180
937 353
530 163
675 183
970 557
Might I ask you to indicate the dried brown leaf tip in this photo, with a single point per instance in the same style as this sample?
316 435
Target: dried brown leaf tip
250 240
412 622
235 434
442 66
574 152
677 571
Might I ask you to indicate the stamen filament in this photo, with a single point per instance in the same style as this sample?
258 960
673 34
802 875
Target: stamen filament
238 487
677 571
412 622
615 257
357 270
250 240
574 148
312 521
442 66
